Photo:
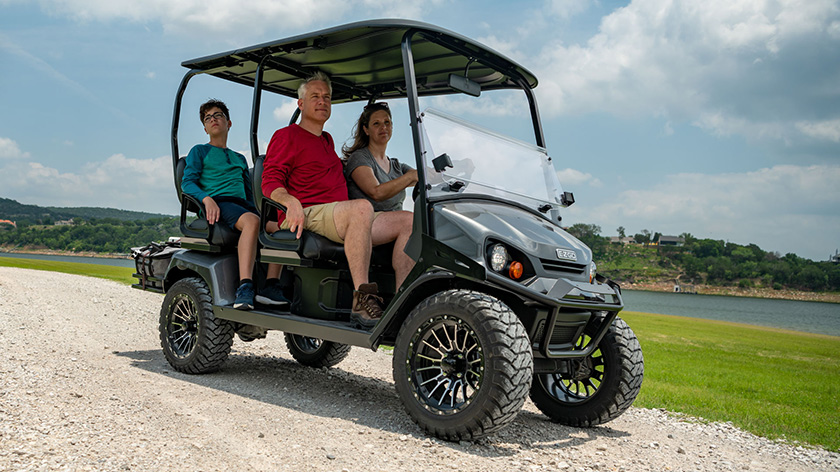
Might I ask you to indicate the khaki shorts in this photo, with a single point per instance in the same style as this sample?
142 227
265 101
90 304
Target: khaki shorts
319 219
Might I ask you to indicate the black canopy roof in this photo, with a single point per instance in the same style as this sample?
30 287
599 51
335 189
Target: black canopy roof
364 61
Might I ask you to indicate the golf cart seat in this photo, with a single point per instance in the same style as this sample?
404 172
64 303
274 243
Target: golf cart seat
312 248
217 236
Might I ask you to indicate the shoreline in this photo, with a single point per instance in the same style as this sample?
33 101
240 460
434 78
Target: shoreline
664 286
785 294
50 252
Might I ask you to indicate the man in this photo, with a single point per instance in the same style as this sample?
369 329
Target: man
304 174
219 178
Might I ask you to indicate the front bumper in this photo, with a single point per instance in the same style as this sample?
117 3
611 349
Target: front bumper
560 310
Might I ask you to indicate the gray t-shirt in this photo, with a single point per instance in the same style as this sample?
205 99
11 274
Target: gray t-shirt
363 157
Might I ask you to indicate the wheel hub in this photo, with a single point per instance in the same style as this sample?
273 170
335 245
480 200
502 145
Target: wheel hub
447 363
582 369
453 365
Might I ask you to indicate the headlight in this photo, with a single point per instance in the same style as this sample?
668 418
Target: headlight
498 258
592 271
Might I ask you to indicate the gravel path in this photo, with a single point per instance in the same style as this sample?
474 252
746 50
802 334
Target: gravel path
84 386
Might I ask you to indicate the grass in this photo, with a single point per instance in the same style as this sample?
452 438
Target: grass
773 383
115 273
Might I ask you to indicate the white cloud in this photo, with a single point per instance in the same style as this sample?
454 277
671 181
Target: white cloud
284 112
399 8
150 75
566 9
827 130
9 150
571 178
196 18
735 67
116 182
784 208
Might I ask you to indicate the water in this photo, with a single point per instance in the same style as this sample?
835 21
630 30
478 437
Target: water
810 317
82 259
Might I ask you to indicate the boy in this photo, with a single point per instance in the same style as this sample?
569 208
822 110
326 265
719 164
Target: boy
219 178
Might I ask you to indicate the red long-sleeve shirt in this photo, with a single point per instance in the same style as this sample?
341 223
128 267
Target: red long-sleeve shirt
305 165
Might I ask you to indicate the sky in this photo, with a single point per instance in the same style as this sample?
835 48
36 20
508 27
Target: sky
718 118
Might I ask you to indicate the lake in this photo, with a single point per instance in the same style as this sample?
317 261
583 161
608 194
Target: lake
810 317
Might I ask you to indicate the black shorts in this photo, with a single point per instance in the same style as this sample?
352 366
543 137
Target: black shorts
232 208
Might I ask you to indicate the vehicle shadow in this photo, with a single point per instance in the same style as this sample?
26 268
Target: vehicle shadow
366 401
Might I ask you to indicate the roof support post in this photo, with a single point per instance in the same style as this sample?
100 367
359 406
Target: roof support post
420 205
255 109
176 119
535 114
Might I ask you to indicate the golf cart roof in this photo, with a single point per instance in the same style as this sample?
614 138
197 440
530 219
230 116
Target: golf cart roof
365 61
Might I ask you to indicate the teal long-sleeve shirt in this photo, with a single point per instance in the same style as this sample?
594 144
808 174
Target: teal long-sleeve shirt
213 171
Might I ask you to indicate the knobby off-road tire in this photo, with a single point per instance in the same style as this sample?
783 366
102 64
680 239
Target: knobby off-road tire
314 352
193 340
601 387
462 365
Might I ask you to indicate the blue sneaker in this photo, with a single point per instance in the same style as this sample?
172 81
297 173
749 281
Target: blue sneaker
272 294
244 297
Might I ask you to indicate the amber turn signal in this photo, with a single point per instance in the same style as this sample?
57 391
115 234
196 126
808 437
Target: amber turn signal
515 270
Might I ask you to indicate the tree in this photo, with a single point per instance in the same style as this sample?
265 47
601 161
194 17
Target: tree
643 237
591 236
621 232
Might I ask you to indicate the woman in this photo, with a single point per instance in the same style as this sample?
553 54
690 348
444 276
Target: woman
370 173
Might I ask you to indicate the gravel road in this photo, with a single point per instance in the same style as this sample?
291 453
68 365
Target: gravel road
84 386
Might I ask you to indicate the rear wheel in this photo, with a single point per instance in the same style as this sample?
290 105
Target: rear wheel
314 352
462 365
193 340
601 386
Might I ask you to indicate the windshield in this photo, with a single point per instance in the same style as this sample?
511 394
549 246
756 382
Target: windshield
487 163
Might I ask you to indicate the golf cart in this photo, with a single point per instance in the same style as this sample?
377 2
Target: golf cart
502 302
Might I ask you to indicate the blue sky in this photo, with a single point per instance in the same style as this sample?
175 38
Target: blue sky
716 118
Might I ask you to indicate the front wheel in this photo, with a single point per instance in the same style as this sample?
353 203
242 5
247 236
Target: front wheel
600 387
193 340
462 365
314 352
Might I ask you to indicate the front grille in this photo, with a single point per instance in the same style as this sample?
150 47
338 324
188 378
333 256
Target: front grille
563 266
563 334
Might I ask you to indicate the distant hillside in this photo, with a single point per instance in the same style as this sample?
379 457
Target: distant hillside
34 214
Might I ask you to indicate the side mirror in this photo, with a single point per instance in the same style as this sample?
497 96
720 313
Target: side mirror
442 162
464 85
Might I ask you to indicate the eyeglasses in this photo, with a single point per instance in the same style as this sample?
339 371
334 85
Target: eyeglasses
215 116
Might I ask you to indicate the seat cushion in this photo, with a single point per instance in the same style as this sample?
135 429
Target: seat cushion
315 247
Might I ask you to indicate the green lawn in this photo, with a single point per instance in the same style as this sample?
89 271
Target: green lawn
117 274
773 383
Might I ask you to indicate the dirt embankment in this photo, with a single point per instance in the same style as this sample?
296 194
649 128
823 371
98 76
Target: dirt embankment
84 387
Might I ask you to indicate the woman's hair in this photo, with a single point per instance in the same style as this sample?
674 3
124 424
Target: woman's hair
360 138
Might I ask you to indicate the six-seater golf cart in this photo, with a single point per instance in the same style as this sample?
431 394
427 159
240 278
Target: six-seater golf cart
502 302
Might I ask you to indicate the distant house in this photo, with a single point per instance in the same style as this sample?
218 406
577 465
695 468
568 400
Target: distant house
64 222
619 240
835 258
9 222
671 241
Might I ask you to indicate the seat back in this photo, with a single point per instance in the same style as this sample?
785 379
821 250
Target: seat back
218 235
